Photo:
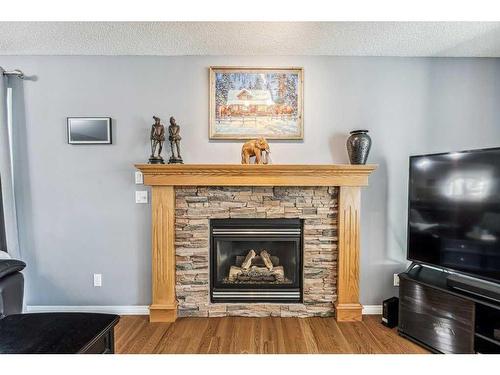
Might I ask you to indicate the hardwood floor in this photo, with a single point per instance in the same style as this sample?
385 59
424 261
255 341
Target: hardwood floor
235 335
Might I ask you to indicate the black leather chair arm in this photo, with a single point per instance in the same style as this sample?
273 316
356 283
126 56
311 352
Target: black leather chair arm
9 266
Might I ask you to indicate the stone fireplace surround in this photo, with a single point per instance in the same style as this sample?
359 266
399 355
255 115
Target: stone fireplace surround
195 206
276 190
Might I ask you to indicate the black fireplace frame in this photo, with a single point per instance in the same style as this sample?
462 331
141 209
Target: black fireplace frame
280 224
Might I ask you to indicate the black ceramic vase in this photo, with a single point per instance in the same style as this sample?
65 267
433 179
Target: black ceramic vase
358 146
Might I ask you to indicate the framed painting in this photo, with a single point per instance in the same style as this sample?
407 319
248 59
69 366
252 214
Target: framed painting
248 103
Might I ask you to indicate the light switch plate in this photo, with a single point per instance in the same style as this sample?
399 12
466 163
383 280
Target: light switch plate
396 280
139 180
97 279
141 196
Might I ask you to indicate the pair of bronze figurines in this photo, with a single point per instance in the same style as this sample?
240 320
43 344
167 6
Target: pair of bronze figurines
158 138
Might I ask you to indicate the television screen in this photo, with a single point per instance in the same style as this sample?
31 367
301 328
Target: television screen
454 211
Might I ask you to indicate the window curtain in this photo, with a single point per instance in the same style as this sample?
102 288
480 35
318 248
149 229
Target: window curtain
6 175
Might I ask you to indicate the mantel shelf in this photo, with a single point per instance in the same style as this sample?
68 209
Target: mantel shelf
256 175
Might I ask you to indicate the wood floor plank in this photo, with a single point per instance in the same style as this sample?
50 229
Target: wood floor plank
225 332
130 334
269 341
215 343
123 329
390 339
170 339
308 337
277 335
293 336
207 336
328 335
257 336
194 333
235 335
147 339
150 345
242 337
360 338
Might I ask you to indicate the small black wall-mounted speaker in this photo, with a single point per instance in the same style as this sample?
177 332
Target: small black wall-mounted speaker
390 311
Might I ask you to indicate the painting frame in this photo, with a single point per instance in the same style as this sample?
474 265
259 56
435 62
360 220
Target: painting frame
107 126
215 134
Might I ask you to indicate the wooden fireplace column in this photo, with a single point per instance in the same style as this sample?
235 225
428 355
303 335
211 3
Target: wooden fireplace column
164 178
164 306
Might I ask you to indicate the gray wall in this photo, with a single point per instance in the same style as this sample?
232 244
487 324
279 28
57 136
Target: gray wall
77 210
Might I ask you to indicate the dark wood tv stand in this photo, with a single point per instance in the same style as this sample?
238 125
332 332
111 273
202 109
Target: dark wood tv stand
446 320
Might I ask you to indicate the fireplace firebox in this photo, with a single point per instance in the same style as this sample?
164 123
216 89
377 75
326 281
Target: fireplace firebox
256 260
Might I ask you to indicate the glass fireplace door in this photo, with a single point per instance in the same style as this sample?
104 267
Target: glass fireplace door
256 261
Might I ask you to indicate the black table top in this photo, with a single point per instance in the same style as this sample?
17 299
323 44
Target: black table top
55 333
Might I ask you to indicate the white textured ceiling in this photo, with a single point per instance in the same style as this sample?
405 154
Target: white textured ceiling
251 38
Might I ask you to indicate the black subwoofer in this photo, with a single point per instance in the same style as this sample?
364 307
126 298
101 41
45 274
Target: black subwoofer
390 308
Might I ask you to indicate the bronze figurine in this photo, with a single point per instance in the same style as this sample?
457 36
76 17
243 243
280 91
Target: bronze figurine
175 140
157 138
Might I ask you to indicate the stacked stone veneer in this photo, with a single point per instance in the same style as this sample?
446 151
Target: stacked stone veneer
196 206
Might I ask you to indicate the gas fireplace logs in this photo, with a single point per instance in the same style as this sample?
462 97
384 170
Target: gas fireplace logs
257 261
250 269
248 260
267 259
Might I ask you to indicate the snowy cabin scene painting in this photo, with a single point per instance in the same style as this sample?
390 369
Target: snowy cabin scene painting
249 103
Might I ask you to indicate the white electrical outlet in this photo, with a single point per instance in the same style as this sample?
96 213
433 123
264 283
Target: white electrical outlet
396 280
97 279
141 196
139 180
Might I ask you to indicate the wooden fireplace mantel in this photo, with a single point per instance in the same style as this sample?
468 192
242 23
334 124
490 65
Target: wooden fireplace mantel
164 178
255 174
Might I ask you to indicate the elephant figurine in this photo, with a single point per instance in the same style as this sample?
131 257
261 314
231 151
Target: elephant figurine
255 147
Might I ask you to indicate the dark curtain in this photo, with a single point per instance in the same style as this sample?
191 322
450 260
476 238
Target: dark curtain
3 241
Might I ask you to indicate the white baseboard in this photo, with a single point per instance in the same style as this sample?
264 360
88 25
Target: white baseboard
119 310
141 310
372 309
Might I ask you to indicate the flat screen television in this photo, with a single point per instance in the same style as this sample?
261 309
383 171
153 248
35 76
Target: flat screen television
454 212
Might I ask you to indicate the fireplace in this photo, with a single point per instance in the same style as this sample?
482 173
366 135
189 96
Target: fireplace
256 260
184 200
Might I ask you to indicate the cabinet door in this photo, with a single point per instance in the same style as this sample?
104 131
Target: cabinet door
438 319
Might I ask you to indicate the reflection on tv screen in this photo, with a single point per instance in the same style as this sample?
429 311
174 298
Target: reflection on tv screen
454 211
